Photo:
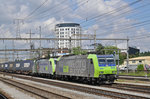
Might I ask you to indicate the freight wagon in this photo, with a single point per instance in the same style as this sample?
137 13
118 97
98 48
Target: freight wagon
26 66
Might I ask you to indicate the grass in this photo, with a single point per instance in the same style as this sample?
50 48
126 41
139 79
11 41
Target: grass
139 73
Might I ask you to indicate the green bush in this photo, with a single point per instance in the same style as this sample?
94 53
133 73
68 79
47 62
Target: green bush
140 67
78 51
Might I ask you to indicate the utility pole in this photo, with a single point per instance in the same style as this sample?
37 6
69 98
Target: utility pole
18 22
116 43
118 62
17 56
117 57
14 51
80 39
30 42
95 40
127 55
70 44
5 53
40 40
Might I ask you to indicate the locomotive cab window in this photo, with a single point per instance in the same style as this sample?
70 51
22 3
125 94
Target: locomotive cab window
101 61
91 61
55 61
110 61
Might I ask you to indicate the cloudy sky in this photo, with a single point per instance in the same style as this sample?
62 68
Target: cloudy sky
109 18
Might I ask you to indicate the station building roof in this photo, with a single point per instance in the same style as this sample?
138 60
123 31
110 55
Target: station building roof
67 25
140 58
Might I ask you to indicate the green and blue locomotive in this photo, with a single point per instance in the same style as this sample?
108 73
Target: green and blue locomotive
92 68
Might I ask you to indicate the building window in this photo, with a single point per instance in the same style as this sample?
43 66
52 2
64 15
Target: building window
133 61
61 35
140 61
61 32
77 29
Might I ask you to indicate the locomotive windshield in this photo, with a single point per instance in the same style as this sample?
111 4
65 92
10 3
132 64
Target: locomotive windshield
101 61
110 61
106 60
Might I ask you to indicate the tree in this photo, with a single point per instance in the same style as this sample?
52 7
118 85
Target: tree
140 67
100 49
145 53
78 50
134 55
110 49
122 57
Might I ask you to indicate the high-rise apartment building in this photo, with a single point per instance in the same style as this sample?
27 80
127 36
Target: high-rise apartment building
67 30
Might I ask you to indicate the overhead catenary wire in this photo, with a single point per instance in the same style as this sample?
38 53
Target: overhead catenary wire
117 17
49 9
140 37
125 29
137 36
112 11
131 26
36 9
55 12
80 4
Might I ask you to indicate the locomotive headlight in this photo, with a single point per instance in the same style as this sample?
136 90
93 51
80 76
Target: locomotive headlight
113 72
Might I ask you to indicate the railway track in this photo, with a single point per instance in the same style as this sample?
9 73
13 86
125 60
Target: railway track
141 78
135 76
3 97
82 88
44 94
130 87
